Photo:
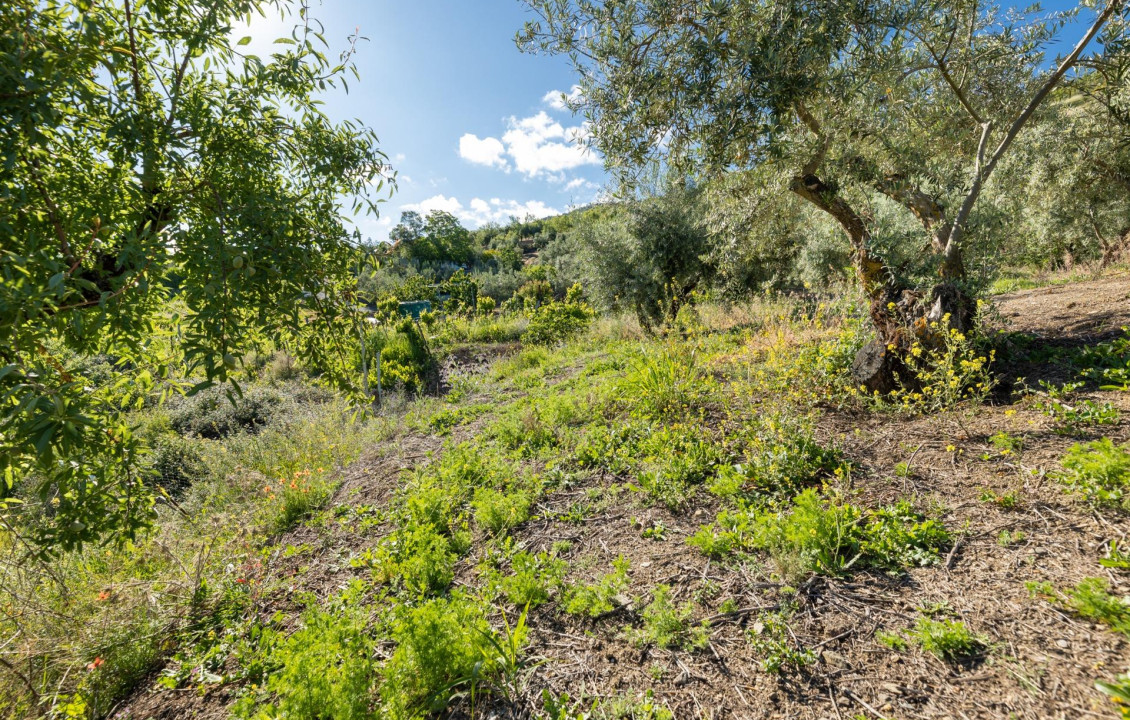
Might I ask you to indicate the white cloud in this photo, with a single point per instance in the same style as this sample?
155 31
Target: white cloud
399 158
537 146
479 212
436 202
485 151
578 183
557 99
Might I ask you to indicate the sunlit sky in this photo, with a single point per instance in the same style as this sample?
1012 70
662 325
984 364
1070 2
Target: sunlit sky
472 125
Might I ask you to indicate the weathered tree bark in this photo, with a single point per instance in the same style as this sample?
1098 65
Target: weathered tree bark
878 365
949 303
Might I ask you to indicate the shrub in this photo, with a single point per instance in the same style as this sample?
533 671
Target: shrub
462 293
176 463
216 413
535 292
1100 472
556 322
405 358
486 305
949 640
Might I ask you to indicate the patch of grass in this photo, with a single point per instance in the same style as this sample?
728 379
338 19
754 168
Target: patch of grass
895 641
663 383
949 640
1089 599
828 537
675 461
669 625
599 598
442 646
1100 473
500 512
534 580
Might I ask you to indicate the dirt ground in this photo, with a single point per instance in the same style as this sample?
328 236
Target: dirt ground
1040 663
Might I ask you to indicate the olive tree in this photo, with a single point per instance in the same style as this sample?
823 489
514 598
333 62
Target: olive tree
165 198
832 101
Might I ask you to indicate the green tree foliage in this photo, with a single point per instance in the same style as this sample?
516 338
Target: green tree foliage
145 159
836 103
651 257
438 238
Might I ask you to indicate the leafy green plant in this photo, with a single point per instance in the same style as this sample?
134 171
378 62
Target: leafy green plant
1089 599
782 459
499 512
1008 538
1006 501
1119 693
669 625
770 638
325 669
556 322
1109 363
828 537
893 640
442 647
534 579
600 597
897 537
1007 444
949 640
1099 472
1116 557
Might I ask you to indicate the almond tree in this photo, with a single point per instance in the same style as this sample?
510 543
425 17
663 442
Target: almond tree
159 189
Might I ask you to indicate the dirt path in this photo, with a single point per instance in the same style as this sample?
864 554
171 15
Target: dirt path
1081 311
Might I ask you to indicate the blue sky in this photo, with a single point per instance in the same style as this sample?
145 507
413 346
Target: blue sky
472 125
